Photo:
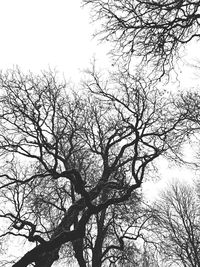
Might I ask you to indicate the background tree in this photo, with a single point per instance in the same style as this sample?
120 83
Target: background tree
176 225
151 30
61 152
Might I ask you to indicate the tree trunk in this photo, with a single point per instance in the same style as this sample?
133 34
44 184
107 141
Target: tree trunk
78 248
47 259
97 251
69 218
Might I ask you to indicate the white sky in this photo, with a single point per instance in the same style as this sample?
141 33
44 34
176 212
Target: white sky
38 34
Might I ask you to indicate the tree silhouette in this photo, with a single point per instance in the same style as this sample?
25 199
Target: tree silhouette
151 30
176 225
62 152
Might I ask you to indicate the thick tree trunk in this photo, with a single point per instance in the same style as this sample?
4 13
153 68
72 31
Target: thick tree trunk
62 233
48 259
78 248
97 251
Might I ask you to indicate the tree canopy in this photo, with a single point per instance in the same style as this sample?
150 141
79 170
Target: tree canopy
175 225
154 30
67 157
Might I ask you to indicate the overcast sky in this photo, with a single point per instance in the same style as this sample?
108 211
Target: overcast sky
38 34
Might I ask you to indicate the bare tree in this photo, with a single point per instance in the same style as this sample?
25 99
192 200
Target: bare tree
61 152
176 225
152 30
